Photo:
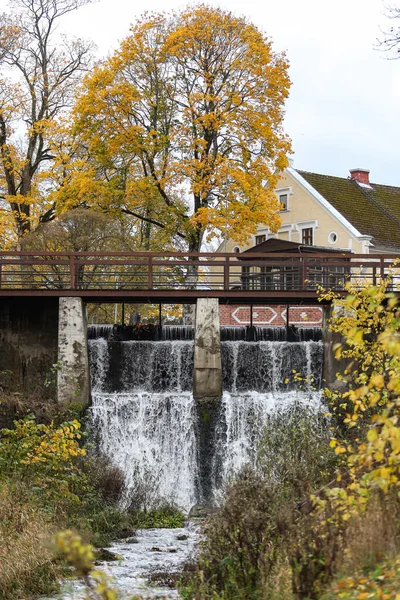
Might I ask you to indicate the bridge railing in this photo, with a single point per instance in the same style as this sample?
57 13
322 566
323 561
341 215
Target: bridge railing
177 271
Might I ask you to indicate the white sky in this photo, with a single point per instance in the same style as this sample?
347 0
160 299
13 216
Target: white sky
343 110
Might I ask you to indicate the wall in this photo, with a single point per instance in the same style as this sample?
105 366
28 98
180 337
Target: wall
28 343
272 316
304 209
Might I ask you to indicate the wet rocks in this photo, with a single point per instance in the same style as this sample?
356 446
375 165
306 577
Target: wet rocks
170 549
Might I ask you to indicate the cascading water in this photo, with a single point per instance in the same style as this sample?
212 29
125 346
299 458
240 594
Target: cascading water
145 418
144 414
261 379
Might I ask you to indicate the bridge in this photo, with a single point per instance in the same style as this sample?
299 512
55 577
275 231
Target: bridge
179 277
43 329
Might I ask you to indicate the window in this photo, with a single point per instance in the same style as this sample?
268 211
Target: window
332 237
283 199
260 239
236 249
307 236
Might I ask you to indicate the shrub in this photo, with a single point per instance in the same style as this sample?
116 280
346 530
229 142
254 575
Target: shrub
26 560
165 516
250 541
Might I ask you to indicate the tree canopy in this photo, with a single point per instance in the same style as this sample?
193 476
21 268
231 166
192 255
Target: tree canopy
40 72
182 127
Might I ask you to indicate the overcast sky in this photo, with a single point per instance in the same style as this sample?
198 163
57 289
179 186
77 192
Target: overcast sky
343 110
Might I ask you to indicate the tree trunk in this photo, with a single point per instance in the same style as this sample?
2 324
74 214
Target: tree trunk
192 276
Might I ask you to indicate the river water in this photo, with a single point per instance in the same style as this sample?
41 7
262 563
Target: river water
157 551
145 419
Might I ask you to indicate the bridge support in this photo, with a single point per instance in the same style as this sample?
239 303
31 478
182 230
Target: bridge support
73 381
207 381
207 386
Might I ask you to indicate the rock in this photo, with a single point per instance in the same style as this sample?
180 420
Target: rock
170 549
182 537
102 554
201 512
339 386
127 533
164 578
131 540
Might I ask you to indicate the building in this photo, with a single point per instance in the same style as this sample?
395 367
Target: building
335 213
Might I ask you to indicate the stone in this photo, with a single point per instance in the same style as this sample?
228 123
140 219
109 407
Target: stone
102 554
201 512
73 380
207 377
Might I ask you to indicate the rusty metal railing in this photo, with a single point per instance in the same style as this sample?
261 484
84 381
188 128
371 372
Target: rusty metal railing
204 273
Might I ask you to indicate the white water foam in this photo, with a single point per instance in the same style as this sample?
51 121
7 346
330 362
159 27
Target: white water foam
145 419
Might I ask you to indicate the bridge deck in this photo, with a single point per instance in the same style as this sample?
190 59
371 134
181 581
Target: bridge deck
182 277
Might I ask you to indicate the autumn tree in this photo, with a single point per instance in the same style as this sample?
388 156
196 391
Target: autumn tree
40 71
183 126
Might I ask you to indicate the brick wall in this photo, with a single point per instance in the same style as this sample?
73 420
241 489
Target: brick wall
270 316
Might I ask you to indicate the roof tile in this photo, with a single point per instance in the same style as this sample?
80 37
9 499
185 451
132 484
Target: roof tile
374 212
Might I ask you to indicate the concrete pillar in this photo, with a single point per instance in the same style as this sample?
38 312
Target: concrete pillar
73 375
207 380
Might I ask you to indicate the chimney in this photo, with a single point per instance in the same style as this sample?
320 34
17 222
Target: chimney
361 176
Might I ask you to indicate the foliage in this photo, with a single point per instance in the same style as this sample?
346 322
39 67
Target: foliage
164 516
44 71
381 582
80 555
50 482
26 561
42 455
183 127
248 546
370 322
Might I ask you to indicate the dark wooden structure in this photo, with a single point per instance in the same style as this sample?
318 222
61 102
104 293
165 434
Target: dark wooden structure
278 273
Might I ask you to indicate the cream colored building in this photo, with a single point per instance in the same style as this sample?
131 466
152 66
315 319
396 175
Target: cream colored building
334 212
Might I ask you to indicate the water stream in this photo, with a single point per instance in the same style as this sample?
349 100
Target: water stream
156 554
144 417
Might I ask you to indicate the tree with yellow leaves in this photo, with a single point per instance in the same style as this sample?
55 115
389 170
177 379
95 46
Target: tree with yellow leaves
183 126
39 74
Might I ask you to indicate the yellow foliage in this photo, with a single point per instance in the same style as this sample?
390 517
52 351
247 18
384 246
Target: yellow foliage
184 123
369 321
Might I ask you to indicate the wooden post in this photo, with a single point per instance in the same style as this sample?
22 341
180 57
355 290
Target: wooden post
382 261
287 322
226 274
150 273
72 274
304 273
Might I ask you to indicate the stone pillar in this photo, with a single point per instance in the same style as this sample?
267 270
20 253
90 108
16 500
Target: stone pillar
207 380
73 375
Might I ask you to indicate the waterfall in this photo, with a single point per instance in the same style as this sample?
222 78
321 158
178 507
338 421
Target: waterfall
144 416
99 331
177 332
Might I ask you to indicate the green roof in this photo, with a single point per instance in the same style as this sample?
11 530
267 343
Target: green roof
374 212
